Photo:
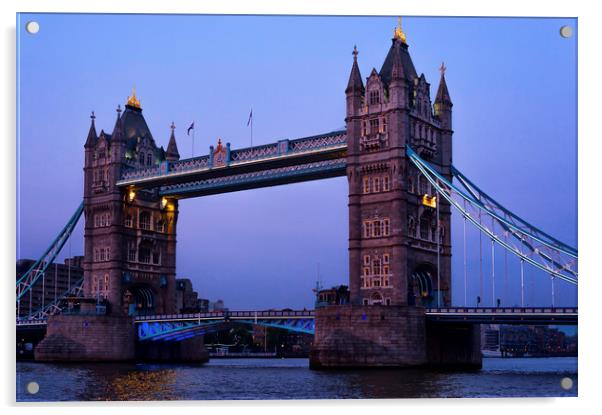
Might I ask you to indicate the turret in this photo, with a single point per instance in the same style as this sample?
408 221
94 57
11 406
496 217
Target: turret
443 103
92 136
355 88
172 153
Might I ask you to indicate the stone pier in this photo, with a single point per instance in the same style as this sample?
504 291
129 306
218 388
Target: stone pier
351 336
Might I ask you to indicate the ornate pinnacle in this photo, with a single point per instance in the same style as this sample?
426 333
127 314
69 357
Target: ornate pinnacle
442 69
355 52
92 116
398 33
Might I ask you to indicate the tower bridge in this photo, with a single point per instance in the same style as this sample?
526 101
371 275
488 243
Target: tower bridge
396 152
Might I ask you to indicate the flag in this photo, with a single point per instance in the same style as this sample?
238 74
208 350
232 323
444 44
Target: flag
190 128
250 117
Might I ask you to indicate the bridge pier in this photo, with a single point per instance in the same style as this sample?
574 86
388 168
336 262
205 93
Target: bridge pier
454 346
353 336
97 338
348 336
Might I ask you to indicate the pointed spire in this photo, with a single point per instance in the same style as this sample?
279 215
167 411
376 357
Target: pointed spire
442 92
355 83
92 136
118 135
172 153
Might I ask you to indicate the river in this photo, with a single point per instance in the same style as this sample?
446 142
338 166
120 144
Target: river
288 379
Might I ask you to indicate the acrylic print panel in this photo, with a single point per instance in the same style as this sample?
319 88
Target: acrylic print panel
204 200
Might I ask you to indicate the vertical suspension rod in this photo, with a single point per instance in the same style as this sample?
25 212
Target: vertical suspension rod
493 299
438 233
465 271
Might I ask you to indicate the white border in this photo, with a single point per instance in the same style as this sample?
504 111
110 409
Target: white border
590 106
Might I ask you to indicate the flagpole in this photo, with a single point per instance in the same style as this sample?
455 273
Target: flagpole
193 130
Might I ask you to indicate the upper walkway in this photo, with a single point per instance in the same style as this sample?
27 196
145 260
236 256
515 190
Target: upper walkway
225 170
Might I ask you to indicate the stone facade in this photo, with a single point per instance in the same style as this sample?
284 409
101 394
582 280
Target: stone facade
394 236
399 230
130 234
87 338
372 336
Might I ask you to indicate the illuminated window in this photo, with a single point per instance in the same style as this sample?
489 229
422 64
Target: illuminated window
366 259
376 228
366 271
385 260
374 126
386 227
106 287
385 270
145 220
366 185
376 267
377 184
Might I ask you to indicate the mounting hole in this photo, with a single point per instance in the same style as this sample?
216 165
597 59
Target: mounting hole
566 384
33 388
566 31
32 27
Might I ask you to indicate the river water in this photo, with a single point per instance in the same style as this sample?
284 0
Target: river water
289 379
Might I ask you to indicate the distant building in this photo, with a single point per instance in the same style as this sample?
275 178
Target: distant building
187 300
333 296
535 341
217 305
57 280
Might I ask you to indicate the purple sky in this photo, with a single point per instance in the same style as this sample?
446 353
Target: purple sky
513 83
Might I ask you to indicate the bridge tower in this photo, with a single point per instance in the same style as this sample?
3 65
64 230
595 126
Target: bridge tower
129 251
399 230
130 236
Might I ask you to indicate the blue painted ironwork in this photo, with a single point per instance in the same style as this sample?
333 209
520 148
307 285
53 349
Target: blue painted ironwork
447 190
179 327
263 176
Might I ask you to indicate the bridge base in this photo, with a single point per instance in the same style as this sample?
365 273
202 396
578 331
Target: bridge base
454 346
76 338
349 336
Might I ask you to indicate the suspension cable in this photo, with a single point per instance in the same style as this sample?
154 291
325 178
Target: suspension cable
465 270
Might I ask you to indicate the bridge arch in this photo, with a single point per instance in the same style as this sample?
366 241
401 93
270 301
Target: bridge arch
420 285
139 299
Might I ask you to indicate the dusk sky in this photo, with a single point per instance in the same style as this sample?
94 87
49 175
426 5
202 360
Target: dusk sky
513 83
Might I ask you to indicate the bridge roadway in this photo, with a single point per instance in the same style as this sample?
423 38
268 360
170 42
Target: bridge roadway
481 315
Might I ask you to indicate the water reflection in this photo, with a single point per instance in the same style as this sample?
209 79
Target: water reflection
288 379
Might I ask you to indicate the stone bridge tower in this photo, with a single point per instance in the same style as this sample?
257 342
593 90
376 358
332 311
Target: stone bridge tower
393 223
399 233
130 236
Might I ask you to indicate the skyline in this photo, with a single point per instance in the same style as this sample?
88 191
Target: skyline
321 232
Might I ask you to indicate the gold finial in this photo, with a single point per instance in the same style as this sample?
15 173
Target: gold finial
133 101
398 33
442 68
355 52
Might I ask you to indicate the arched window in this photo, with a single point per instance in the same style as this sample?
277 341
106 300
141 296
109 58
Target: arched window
141 158
424 226
145 220
376 299
149 159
